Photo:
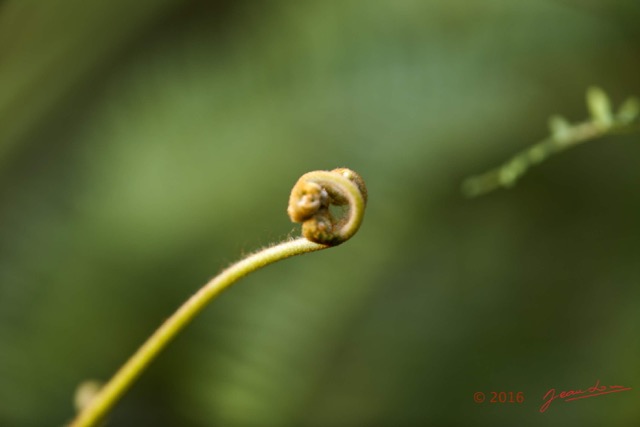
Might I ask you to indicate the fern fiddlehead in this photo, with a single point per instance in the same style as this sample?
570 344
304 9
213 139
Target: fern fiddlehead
309 203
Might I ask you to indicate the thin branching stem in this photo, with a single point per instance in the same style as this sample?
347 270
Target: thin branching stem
564 135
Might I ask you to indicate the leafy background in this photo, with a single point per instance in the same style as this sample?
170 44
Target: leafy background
145 145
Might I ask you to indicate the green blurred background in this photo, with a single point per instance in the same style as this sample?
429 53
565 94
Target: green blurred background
146 145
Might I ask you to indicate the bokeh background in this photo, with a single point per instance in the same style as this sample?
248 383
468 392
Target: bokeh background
146 145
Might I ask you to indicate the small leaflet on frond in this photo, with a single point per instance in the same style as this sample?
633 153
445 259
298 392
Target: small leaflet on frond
560 128
599 107
629 111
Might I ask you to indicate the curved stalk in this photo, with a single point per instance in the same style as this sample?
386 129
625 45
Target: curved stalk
321 188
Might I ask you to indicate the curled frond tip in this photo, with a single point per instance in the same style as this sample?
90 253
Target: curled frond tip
312 197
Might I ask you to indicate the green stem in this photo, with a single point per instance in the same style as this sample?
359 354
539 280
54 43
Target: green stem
309 203
109 395
563 136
